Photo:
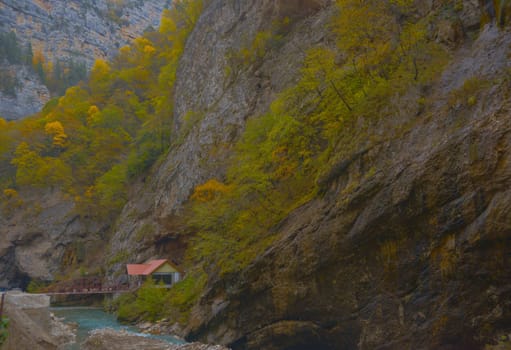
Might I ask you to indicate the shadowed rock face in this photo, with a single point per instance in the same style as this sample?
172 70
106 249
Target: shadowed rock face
408 245
411 254
37 243
414 260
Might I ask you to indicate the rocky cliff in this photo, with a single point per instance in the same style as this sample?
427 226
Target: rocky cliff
405 246
411 254
30 95
408 244
70 30
221 103
39 241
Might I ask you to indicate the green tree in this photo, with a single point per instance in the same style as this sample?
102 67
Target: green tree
110 190
100 81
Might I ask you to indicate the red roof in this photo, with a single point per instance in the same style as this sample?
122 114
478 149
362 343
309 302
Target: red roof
136 269
148 268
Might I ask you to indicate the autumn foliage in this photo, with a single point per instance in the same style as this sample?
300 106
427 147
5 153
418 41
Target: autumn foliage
382 50
91 141
56 131
102 134
209 191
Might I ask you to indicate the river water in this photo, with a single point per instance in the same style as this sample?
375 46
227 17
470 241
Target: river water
89 318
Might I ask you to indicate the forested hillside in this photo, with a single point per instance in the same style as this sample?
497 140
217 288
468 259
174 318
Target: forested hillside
330 174
102 133
72 162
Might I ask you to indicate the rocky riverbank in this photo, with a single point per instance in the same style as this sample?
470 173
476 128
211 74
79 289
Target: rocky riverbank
108 339
33 326
164 326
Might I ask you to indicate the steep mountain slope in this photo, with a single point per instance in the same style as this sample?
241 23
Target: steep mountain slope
81 31
406 247
220 105
403 239
42 240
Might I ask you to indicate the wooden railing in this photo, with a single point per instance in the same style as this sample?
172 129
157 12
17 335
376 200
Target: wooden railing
92 285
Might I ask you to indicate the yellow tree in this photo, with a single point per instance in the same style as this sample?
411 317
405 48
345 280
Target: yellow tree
34 170
93 115
27 163
56 131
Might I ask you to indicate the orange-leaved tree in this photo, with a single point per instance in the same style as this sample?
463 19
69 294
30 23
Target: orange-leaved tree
209 190
56 131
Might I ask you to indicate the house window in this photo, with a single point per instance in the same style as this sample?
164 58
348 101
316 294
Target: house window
166 278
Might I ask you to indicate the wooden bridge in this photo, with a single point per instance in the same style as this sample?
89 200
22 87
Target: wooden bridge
93 291
87 286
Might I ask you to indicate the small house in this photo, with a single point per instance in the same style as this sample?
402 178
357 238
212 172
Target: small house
160 270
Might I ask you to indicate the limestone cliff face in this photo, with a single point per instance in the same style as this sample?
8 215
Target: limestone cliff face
71 30
408 245
30 96
412 254
219 103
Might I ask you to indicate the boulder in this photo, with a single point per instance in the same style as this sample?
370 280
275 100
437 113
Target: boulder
31 325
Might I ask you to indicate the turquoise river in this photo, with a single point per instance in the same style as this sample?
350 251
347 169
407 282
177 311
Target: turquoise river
89 319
